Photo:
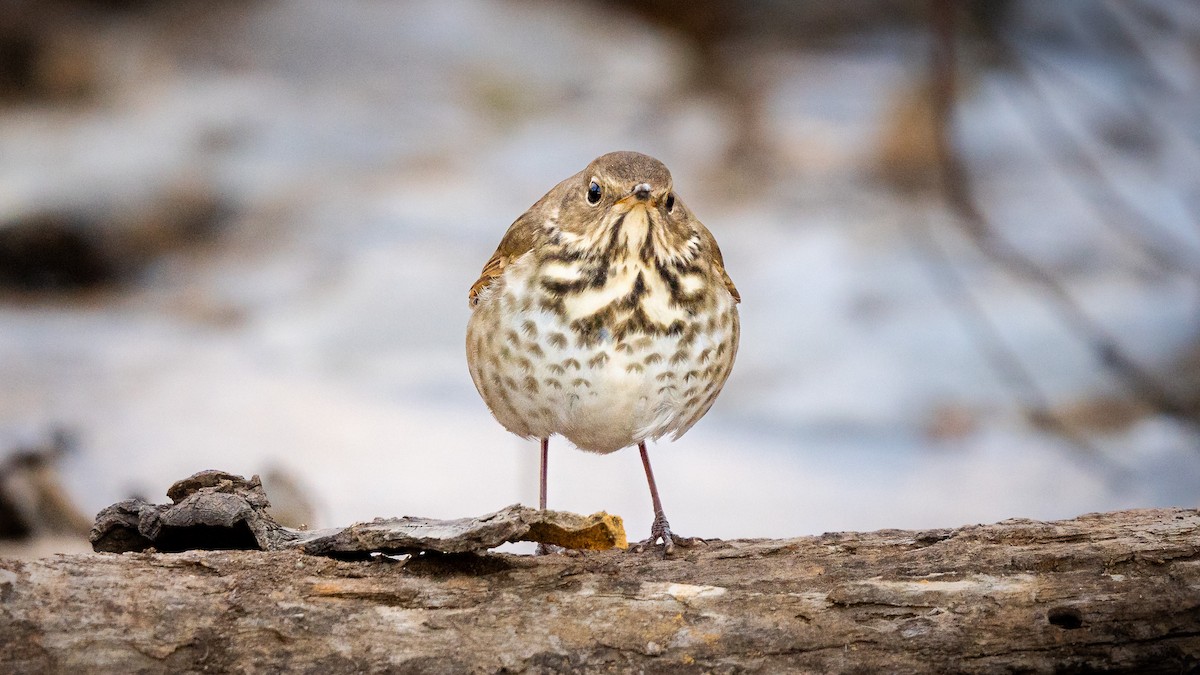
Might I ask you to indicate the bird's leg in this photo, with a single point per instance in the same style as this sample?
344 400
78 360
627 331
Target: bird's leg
661 529
542 490
545 549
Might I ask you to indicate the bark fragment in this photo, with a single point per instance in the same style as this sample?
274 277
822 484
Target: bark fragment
215 510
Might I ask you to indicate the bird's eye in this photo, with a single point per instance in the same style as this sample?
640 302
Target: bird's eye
670 202
593 195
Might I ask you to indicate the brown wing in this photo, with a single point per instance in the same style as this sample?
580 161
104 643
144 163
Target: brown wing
522 237
519 240
710 242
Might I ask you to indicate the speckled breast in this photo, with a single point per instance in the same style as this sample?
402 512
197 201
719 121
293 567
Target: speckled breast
605 368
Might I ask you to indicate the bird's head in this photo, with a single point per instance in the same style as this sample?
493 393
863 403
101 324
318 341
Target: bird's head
622 205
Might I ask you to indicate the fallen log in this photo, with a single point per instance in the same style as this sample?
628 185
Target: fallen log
1110 592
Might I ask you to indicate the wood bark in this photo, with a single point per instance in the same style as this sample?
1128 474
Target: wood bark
218 510
1103 592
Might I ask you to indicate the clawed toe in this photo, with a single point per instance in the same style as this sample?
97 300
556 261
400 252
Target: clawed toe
669 544
661 531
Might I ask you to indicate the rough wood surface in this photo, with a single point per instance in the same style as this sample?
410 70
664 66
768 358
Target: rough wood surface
1117 591
218 510
597 532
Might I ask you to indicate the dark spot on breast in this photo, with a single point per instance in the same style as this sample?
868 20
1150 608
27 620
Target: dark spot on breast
636 293
558 288
588 329
670 278
563 255
596 275
688 335
553 304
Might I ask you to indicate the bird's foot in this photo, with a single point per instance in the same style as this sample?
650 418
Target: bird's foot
661 531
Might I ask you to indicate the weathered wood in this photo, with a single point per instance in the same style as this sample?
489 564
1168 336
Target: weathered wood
598 531
1117 591
218 510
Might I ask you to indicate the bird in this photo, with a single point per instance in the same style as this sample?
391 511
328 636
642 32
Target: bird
605 316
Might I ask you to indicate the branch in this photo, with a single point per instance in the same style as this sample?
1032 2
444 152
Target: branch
957 191
1117 591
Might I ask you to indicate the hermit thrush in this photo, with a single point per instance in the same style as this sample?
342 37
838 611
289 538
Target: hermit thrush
606 316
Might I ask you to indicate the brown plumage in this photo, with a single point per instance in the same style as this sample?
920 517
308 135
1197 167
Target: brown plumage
604 315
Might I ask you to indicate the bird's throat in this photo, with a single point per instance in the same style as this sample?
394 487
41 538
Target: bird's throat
631 238
626 278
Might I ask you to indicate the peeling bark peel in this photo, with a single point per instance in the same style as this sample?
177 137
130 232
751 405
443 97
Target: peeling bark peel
214 510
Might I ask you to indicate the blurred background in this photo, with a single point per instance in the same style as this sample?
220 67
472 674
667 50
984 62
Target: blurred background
239 235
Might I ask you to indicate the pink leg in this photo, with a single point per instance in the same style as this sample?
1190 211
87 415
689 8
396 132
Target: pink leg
661 529
659 516
543 549
545 456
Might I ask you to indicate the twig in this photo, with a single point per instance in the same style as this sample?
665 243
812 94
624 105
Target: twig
1003 360
1175 137
1119 216
957 192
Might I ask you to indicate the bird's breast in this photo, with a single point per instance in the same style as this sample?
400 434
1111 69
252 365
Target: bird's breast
630 288
605 365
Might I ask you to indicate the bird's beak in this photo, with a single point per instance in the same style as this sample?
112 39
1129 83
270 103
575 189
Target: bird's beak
640 195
